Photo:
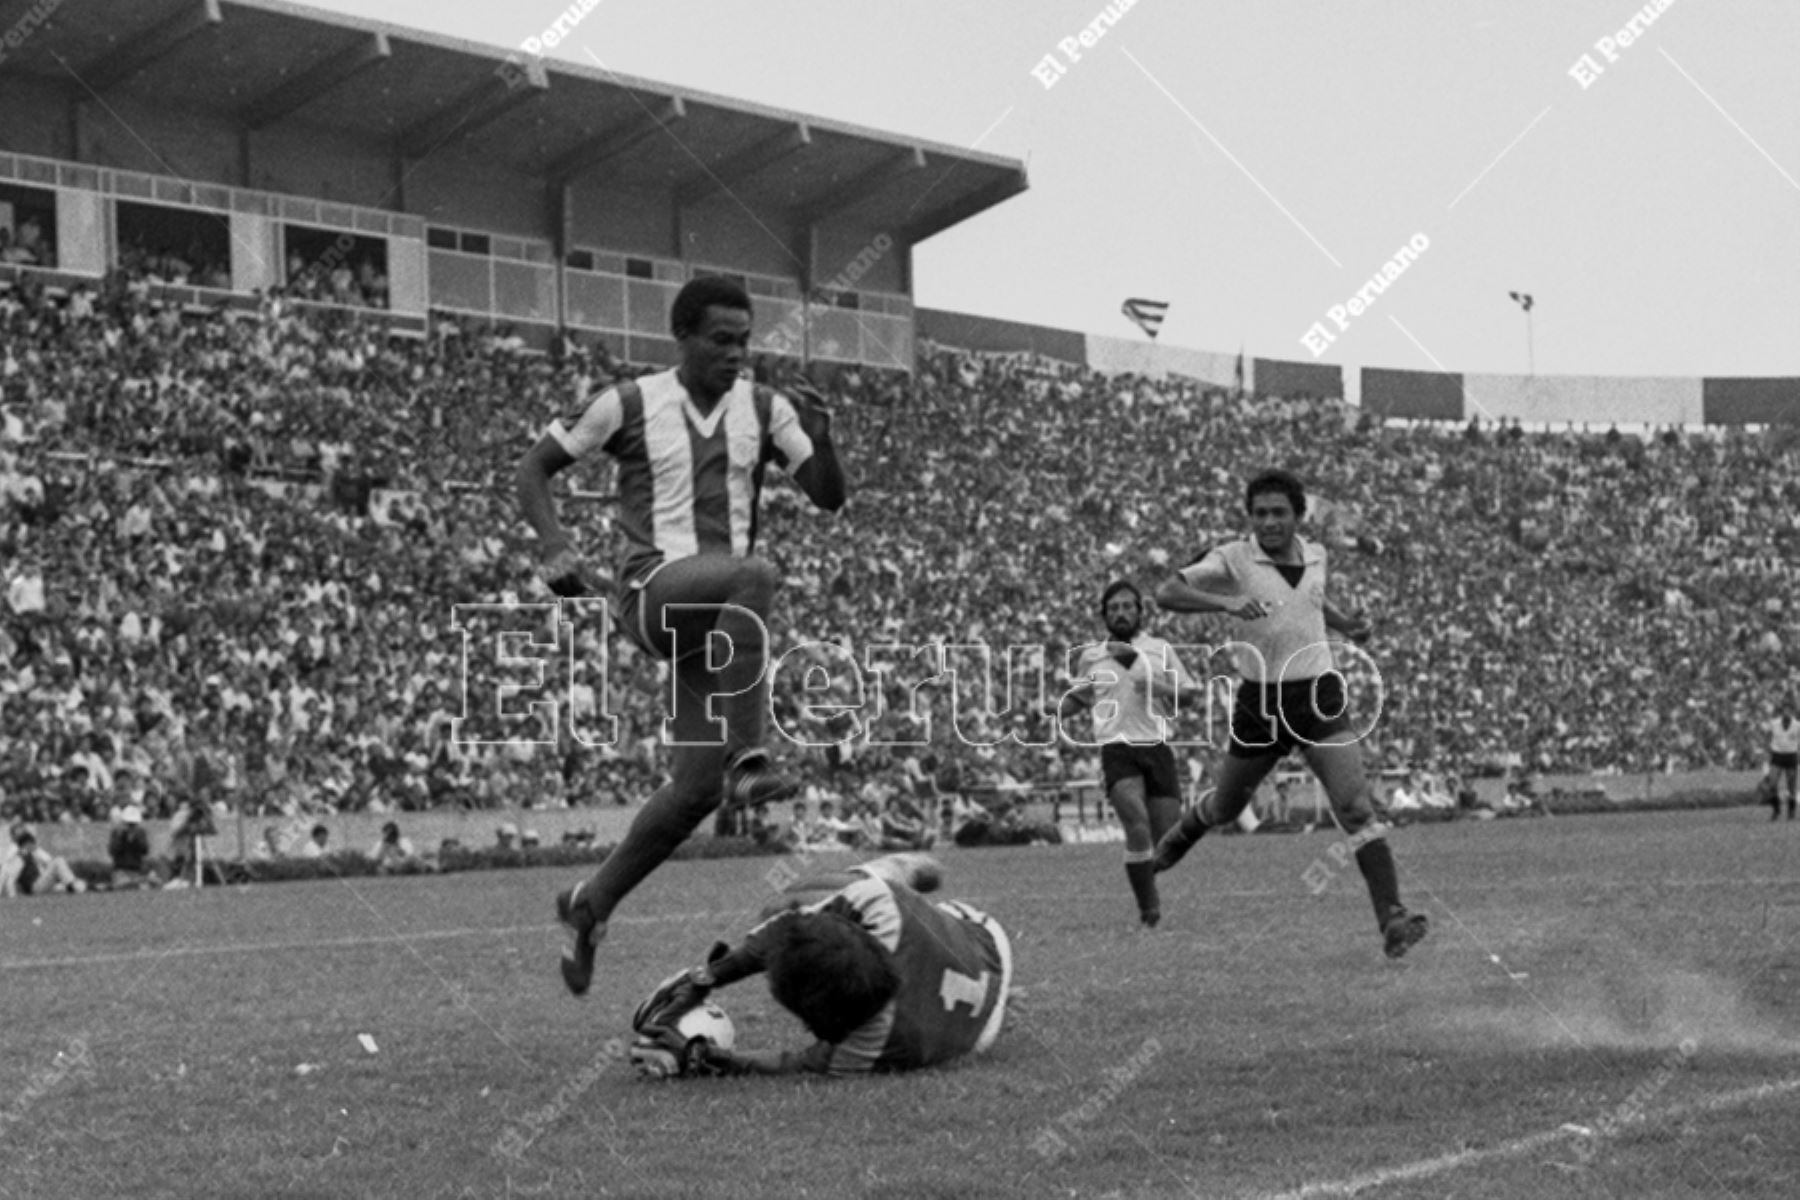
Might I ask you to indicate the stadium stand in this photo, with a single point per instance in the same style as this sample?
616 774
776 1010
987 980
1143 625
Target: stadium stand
234 538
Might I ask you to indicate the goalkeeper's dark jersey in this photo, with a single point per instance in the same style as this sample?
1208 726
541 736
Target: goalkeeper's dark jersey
954 966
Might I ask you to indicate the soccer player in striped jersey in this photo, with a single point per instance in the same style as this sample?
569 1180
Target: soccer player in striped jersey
883 978
1291 695
1117 679
691 445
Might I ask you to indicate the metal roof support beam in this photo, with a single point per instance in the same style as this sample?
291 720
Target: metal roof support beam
977 201
860 187
480 106
742 165
300 90
616 141
144 49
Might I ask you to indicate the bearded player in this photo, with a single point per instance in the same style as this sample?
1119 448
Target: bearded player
1291 695
884 979
1117 680
692 445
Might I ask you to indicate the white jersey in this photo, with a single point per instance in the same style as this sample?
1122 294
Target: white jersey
1291 644
1784 736
1122 710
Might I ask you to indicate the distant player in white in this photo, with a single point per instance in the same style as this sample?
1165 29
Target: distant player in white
1117 679
1784 757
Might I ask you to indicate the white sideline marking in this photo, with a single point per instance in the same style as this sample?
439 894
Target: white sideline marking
20 964
1427 1167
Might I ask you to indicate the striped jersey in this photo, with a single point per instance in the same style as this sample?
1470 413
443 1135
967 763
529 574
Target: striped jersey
1290 644
689 483
954 968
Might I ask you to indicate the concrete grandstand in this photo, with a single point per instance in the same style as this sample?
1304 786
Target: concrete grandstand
265 144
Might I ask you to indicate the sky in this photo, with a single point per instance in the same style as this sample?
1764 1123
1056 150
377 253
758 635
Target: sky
1257 162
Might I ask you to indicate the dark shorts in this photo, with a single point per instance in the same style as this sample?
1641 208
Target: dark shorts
1783 762
1268 720
635 621
1155 765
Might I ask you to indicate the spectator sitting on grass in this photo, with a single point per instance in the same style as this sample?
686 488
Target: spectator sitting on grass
829 829
903 826
1405 799
763 831
799 834
393 852
28 870
318 845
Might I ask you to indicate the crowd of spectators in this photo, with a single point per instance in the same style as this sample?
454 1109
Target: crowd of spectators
194 266
233 544
358 284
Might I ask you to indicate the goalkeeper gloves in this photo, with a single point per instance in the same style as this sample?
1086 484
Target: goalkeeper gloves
662 1052
679 993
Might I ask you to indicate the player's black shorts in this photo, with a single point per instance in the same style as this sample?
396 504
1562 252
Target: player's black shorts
1154 764
1782 761
1268 720
638 623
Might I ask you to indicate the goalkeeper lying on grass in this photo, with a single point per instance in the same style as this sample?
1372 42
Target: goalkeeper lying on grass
884 978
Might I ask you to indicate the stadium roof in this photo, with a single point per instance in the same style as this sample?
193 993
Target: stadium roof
270 61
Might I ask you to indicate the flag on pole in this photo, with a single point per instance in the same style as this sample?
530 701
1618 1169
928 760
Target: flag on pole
1147 315
1523 299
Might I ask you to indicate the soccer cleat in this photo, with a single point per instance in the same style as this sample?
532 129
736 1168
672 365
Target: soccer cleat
578 960
1402 932
1178 841
1150 916
750 779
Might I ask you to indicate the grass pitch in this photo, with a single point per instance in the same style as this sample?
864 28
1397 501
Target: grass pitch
1606 1007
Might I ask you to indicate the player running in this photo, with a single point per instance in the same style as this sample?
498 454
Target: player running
691 445
885 979
1117 679
1291 695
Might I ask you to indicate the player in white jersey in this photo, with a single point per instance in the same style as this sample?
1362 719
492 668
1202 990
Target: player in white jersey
1117 680
1784 758
692 445
1291 695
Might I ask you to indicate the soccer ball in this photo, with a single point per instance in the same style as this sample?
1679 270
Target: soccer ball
711 1022
652 1060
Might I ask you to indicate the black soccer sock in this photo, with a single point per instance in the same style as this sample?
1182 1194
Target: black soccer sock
1178 841
1376 862
1142 877
664 822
